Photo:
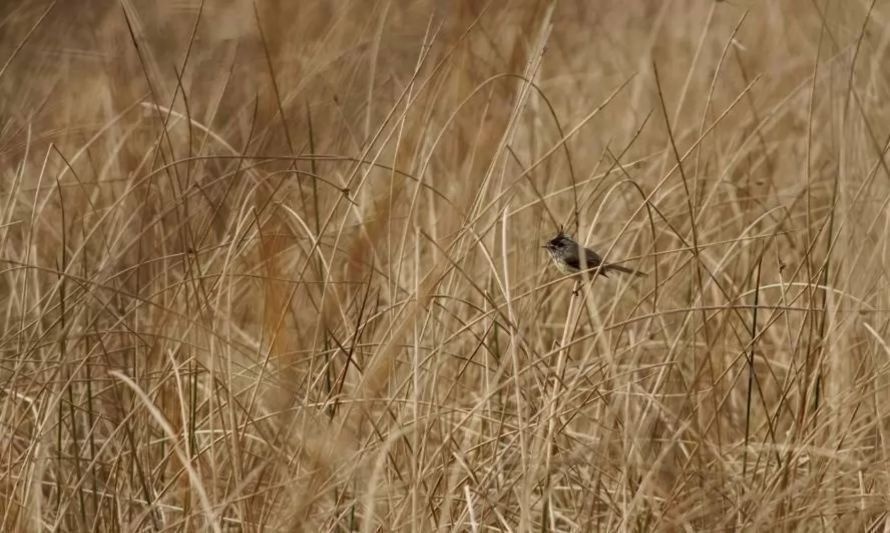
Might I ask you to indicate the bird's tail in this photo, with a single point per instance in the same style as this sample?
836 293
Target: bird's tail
619 268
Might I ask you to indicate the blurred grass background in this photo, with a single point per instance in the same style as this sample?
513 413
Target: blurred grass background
276 266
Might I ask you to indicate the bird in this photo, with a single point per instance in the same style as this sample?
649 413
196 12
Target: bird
566 255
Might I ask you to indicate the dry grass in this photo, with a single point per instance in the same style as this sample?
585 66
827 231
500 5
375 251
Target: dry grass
277 266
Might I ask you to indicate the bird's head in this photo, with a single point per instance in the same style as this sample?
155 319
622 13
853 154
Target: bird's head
560 242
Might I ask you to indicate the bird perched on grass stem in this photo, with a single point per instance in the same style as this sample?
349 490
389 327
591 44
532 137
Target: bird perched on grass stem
568 258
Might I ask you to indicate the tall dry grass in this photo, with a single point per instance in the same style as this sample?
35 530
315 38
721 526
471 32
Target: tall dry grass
276 266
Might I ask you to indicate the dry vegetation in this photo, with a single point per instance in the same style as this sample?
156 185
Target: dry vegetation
277 266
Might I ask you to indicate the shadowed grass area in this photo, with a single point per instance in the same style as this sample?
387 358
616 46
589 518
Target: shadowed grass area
277 266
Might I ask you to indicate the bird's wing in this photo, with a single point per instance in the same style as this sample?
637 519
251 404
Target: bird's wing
591 258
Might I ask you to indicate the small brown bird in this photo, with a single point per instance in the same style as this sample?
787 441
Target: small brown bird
566 255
